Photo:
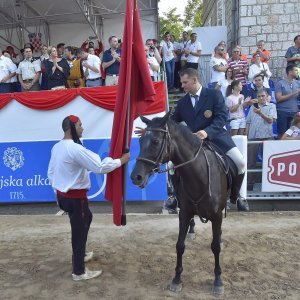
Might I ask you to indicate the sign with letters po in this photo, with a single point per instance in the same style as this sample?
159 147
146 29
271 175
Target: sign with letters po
281 166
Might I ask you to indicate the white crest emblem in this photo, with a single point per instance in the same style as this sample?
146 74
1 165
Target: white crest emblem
13 158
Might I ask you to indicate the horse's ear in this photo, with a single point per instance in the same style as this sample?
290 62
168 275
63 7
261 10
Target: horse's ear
145 120
165 118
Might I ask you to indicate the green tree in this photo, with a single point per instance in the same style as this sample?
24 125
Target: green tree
193 13
172 22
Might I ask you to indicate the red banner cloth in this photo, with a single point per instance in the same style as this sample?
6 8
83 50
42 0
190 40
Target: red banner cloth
135 84
104 97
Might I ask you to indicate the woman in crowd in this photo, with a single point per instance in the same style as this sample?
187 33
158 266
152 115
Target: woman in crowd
236 105
293 133
224 83
57 70
258 67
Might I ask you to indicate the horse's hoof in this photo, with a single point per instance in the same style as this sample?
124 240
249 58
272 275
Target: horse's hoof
191 236
174 287
218 289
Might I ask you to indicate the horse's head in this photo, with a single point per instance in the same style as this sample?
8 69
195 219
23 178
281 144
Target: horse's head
153 149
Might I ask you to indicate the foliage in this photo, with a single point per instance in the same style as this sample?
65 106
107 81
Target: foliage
193 13
172 22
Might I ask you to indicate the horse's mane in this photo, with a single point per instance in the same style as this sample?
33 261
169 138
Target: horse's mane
182 130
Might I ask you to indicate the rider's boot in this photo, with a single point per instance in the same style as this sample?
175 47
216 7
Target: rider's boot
235 197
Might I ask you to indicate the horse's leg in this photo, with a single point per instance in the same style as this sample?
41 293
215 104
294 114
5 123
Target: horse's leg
216 249
184 221
191 234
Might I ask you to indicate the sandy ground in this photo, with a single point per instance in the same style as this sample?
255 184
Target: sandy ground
260 258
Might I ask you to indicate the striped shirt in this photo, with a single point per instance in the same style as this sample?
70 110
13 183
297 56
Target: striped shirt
239 66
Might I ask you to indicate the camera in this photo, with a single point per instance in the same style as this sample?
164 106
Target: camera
255 105
152 47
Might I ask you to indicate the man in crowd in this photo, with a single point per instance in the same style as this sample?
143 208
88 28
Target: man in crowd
7 71
177 67
287 91
75 79
293 55
193 52
153 52
219 66
257 86
168 54
240 68
91 68
264 53
260 119
183 45
111 62
60 49
152 64
29 71
88 43
68 173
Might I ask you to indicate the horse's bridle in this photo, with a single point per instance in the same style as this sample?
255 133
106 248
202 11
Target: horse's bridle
166 142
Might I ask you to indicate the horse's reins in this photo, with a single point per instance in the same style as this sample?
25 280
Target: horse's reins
159 159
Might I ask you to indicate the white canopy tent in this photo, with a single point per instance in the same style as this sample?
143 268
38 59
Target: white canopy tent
70 21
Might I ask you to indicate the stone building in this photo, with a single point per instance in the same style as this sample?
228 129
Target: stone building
276 22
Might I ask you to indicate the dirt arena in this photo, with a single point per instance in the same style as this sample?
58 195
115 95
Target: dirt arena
260 258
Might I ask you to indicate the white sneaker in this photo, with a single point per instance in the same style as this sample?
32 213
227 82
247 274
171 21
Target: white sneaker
86 275
88 256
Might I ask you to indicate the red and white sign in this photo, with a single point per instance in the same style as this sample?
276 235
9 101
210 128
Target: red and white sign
281 166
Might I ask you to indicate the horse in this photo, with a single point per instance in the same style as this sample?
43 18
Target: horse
203 188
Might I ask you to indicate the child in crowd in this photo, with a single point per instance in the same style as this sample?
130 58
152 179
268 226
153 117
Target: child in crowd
293 133
236 105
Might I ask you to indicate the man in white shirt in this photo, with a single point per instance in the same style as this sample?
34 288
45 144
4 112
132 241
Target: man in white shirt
218 66
152 64
182 46
68 173
193 52
7 71
91 67
168 53
29 71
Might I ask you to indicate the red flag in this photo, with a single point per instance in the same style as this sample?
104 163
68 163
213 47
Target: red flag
134 82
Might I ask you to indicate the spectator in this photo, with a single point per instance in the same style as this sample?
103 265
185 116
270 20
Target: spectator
177 67
168 54
7 71
88 43
264 53
257 86
242 56
293 55
193 52
240 68
182 46
6 54
111 62
286 93
16 58
45 56
222 44
236 105
91 50
91 68
260 68
153 52
218 66
152 64
75 79
260 119
60 50
293 133
29 71
57 71
224 83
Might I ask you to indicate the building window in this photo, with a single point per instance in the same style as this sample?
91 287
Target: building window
220 13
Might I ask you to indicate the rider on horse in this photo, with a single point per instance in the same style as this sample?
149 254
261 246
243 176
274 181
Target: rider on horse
194 109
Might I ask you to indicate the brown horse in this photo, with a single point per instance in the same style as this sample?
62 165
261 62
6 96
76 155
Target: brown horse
203 185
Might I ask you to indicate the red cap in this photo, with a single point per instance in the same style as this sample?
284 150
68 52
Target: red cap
73 119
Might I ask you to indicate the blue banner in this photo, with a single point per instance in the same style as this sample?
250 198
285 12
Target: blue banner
24 165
